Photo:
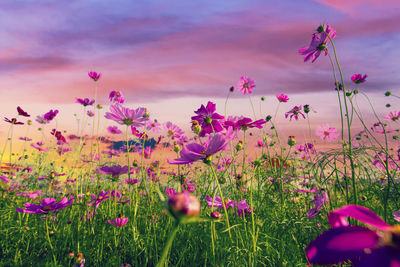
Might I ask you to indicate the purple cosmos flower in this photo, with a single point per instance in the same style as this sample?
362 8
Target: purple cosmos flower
118 222
131 181
396 215
30 194
359 78
21 112
85 101
318 43
195 151
327 133
188 186
319 200
12 121
243 123
153 126
246 85
60 138
208 119
49 116
116 97
127 116
217 202
25 139
282 98
173 130
96 200
379 246
94 76
113 130
90 113
47 205
295 112
115 171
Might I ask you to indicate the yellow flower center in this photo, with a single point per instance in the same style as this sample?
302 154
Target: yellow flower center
47 208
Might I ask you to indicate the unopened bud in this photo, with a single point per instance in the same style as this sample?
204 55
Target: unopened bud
292 140
184 204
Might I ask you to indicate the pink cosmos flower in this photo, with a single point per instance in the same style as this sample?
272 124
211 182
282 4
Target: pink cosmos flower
4 179
318 43
377 245
195 151
115 171
244 123
25 139
359 78
85 101
30 194
116 97
94 76
131 181
295 112
47 205
209 120
118 222
153 126
39 146
127 116
173 131
113 130
217 202
188 186
393 116
282 98
49 116
327 133
246 85
396 215
170 191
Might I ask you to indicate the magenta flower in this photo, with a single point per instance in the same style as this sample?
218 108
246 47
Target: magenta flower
4 179
208 119
94 76
359 78
318 43
90 113
118 222
195 151
47 205
153 126
31 195
246 85
188 186
173 131
183 204
127 116
60 138
319 201
327 133
113 130
396 215
115 171
25 139
243 123
49 116
85 101
282 98
12 121
21 112
96 200
217 202
170 191
131 181
377 245
39 146
116 97
393 116
295 112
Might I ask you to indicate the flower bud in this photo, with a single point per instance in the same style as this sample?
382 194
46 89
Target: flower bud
348 93
184 204
232 89
292 140
355 91
388 93
196 128
216 215
99 106
177 148
29 122
306 108
239 146
388 105
262 98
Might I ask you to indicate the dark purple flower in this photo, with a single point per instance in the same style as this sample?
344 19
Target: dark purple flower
195 151
60 138
318 43
359 78
85 101
115 171
21 112
94 75
47 205
12 121
363 246
208 119
49 116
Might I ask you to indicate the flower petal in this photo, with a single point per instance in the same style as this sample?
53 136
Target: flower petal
384 257
341 244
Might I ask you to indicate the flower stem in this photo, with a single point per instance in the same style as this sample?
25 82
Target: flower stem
167 247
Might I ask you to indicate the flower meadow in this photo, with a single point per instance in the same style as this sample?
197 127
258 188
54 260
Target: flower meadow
148 193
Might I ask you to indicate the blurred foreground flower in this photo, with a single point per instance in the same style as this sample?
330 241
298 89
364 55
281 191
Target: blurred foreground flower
327 133
378 245
127 116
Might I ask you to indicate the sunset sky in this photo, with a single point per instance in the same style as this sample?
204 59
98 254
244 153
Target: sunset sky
173 56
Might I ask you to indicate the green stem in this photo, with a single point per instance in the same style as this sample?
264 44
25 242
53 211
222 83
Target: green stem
167 247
